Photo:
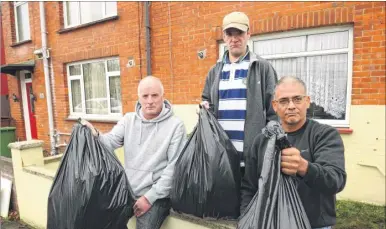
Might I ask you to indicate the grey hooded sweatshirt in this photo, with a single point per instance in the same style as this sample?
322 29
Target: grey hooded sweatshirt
151 149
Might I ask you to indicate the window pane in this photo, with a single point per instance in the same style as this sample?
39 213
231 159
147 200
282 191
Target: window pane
90 11
327 86
112 65
326 80
77 105
280 46
111 8
94 76
290 66
115 94
72 13
23 22
27 76
75 70
327 41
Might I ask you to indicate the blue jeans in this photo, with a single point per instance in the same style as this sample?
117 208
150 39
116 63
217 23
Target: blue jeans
156 215
329 227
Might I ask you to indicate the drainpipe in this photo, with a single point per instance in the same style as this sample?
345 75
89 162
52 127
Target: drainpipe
148 45
47 77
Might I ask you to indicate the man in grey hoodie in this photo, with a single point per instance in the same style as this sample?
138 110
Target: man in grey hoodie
152 138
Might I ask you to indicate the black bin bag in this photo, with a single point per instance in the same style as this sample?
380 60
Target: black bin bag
90 190
276 204
207 173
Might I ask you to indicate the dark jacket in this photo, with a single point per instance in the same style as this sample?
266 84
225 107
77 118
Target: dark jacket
261 80
323 147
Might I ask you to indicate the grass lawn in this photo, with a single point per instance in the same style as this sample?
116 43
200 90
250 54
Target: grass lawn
356 215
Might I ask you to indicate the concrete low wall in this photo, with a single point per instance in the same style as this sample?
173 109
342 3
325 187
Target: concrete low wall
34 176
32 190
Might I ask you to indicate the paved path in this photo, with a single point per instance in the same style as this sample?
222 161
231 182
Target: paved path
13 225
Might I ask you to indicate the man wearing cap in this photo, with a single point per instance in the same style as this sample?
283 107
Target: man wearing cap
239 87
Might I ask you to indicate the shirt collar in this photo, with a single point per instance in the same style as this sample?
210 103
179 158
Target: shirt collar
226 60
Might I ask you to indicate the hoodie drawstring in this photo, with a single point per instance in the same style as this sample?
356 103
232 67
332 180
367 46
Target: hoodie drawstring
140 132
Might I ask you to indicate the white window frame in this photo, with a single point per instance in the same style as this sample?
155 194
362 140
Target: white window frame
15 5
66 25
74 115
295 33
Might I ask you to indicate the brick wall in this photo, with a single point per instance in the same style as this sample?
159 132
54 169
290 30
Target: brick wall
16 55
15 108
197 26
179 30
110 38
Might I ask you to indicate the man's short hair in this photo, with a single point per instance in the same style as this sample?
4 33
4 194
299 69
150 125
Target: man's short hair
151 78
291 78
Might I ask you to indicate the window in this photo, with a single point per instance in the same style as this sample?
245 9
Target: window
22 21
95 88
78 13
322 58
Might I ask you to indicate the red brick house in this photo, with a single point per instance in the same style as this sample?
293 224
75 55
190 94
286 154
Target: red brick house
299 38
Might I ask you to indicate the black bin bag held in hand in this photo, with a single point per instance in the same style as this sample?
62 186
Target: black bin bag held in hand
90 190
207 173
276 204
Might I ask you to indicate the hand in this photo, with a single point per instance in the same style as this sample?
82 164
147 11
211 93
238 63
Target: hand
292 162
141 206
90 126
204 104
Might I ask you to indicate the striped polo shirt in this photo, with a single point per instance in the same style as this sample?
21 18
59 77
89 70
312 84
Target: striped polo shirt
233 100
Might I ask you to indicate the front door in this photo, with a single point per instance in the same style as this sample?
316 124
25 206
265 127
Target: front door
29 105
31 110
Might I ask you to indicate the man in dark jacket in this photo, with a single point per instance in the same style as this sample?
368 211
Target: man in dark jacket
316 158
239 88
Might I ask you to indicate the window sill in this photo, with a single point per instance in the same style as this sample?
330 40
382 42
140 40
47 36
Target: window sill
107 119
345 130
21 43
65 30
